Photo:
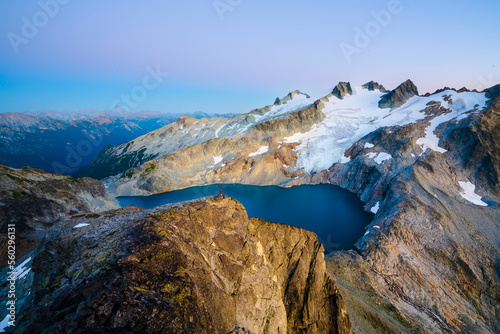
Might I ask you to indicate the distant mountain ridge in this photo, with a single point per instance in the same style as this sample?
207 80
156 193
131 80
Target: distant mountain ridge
63 141
89 114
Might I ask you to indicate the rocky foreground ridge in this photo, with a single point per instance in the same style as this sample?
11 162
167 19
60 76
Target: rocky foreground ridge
197 267
34 200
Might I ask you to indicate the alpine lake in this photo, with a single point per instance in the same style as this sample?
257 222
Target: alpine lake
334 214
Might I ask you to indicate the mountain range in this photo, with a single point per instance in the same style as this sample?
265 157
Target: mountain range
427 166
64 141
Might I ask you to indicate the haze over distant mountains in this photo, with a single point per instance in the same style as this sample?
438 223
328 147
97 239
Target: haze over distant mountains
64 141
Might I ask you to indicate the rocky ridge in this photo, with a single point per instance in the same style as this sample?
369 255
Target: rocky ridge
224 160
186 132
34 200
197 267
397 97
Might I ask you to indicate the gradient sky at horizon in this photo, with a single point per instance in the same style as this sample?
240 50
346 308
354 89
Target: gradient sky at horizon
92 52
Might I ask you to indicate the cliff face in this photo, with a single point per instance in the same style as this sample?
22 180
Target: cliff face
34 200
430 258
200 267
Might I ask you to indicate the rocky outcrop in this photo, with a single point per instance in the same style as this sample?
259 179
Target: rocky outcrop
372 85
199 267
290 96
34 200
342 89
397 97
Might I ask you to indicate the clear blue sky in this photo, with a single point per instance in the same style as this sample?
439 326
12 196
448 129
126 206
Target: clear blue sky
91 52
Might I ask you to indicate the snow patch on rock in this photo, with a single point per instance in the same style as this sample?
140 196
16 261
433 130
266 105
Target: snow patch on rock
218 159
260 151
81 225
381 157
469 193
368 145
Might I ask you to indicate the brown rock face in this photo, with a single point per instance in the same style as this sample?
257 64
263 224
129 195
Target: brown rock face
398 97
205 267
342 89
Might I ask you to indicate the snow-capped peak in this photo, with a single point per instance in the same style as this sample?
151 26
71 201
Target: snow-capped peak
351 118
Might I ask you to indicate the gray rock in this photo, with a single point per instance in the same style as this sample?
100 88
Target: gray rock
372 85
399 96
342 89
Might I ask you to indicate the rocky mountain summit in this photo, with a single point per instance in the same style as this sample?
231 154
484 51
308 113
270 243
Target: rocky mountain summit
342 89
197 267
372 85
397 97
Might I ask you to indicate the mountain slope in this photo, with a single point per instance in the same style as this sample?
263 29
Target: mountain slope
185 132
433 250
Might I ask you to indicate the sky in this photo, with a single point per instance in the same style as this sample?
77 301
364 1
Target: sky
231 56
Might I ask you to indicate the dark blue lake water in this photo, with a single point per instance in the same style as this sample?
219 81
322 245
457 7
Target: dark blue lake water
334 214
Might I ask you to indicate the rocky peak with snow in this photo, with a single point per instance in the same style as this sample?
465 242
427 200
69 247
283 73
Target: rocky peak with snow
372 85
290 96
399 96
342 89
